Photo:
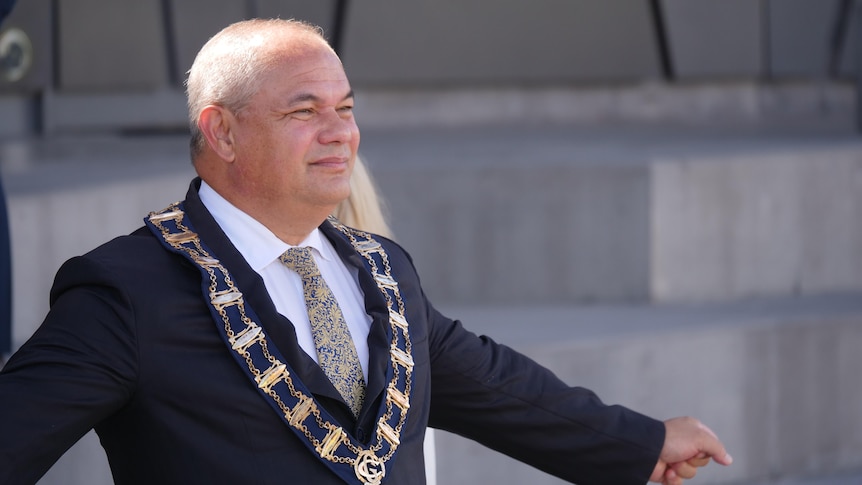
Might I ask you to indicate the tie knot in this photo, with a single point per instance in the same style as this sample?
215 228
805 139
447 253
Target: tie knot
301 261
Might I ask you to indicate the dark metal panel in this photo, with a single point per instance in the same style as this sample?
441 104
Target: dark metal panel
851 65
111 45
393 42
851 53
715 38
194 22
318 12
801 37
25 48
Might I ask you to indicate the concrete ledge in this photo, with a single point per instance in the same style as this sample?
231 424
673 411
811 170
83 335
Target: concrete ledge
709 104
825 103
776 379
743 225
556 214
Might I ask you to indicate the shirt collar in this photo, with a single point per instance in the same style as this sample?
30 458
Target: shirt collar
257 244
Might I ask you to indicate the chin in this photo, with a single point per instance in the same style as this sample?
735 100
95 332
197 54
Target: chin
342 191
335 197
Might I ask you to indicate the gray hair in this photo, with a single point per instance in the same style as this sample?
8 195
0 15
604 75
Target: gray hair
228 69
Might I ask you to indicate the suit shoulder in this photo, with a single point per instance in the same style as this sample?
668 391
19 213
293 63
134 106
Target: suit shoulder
127 248
138 255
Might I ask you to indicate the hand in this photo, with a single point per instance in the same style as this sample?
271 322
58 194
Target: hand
688 445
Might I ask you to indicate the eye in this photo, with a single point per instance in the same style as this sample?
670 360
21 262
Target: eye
303 114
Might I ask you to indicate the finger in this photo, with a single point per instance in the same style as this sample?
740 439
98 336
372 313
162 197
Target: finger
685 470
698 462
713 447
658 472
723 458
671 478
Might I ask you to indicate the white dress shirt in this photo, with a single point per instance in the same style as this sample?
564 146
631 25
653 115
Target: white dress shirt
262 249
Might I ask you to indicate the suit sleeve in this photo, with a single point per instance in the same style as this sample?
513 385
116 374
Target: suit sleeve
78 368
504 400
498 397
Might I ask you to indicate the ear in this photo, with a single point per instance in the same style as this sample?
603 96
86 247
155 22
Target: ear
216 123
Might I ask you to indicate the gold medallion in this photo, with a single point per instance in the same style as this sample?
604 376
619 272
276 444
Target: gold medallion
369 468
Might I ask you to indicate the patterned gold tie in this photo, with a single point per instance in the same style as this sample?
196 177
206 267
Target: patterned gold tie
336 352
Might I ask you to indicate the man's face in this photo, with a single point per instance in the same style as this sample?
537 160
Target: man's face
296 141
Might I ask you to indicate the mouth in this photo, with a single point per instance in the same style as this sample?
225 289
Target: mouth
335 163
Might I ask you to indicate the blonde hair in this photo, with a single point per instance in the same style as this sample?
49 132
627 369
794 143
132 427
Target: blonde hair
363 210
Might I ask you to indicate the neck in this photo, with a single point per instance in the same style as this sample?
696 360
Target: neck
293 232
291 224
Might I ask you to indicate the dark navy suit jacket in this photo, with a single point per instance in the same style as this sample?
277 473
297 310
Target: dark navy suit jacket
129 348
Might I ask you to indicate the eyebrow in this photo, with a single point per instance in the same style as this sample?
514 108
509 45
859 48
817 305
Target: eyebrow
303 97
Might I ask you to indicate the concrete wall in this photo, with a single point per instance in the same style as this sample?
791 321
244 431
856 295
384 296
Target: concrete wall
64 206
775 379
538 215
778 223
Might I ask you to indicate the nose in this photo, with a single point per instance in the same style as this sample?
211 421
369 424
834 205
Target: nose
337 128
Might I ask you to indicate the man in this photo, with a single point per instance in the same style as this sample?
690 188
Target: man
211 346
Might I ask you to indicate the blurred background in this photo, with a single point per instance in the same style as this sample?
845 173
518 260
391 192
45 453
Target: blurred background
661 200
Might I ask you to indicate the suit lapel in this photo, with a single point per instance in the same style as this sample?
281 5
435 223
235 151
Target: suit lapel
279 328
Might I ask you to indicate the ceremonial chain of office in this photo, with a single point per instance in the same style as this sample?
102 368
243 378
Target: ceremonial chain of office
354 462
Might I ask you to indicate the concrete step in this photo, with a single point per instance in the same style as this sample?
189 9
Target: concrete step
776 379
845 478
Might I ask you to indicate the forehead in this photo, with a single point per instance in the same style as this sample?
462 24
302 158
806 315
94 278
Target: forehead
304 66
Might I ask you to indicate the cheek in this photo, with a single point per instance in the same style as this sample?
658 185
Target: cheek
355 138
